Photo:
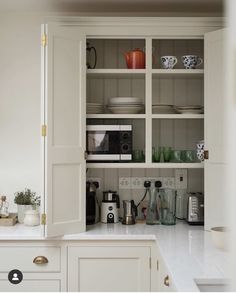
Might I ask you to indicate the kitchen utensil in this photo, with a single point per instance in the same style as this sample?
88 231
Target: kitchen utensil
90 49
195 213
191 61
92 208
168 206
110 206
168 62
135 59
130 212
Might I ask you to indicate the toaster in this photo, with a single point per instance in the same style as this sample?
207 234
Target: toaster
195 210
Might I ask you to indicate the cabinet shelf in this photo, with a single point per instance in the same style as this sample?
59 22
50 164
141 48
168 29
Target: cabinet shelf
178 116
116 116
116 73
146 165
178 72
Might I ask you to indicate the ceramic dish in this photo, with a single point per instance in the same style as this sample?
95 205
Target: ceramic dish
189 111
163 109
125 100
125 109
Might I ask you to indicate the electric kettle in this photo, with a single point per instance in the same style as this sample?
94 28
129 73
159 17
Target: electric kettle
130 212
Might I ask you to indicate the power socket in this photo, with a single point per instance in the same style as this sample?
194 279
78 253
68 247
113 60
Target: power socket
181 178
125 182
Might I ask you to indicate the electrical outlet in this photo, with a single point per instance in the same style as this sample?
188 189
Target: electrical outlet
96 179
137 182
181 180
125 182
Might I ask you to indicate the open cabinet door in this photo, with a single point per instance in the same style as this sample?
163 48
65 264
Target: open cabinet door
65 120
215 214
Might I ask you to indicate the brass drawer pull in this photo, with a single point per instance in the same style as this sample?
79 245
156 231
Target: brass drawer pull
167 281
39 260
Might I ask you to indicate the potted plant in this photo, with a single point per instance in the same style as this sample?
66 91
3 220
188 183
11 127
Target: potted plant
26 200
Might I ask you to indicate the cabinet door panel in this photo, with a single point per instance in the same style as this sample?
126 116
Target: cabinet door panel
108 269
64 106
31 286
214 128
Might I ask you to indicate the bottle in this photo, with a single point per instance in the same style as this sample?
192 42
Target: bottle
168 206
153 210
4 207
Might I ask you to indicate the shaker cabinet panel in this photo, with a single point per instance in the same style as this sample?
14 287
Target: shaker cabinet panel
110 269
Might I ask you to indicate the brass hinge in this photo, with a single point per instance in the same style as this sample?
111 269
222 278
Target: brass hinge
43 219
44 130
44 40
150 263
206 155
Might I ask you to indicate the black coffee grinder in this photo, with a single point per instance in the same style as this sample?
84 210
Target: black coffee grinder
92 209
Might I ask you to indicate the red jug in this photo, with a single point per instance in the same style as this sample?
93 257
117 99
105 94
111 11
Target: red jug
135 59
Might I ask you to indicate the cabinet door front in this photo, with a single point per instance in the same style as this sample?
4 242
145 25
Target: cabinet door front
64 107
108 269
31 286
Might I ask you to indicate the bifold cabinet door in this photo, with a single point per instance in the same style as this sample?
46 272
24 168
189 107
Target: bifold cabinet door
214 128
108 269
64 68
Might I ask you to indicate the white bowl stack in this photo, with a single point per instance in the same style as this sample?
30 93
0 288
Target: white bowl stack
94 108
125 105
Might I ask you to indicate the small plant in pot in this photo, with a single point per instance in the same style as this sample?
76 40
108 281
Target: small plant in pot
26 200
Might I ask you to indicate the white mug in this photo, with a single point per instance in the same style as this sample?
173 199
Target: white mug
168 62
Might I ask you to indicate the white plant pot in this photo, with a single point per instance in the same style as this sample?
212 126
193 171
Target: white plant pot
21 209
32 218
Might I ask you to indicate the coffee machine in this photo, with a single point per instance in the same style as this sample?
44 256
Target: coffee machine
92 207
109 207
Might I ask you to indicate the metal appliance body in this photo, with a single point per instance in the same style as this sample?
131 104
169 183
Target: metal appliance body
109 207
195 214
130 211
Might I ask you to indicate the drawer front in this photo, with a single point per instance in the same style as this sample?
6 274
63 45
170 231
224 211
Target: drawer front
31 286
22 258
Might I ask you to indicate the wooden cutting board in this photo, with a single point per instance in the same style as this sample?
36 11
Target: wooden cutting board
10 221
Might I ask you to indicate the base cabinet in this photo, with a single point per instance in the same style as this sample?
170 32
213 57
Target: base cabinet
108 269
33 285
165 280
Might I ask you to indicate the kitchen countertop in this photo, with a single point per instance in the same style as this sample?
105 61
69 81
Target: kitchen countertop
187 250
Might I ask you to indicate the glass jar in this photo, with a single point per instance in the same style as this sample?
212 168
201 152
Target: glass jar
153 209
168 206
4 207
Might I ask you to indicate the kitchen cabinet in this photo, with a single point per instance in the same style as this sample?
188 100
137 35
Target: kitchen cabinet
67 85
31 285
165 280
109 269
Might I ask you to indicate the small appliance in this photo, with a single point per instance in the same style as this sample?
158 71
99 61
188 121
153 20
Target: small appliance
109 207
195 208
92 208
130 212
109 143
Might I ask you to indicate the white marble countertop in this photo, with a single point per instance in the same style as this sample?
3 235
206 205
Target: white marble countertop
187 250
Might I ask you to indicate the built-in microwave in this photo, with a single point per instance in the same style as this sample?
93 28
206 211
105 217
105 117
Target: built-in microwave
109 143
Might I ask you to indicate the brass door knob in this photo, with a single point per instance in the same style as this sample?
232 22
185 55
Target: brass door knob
39 260
167 281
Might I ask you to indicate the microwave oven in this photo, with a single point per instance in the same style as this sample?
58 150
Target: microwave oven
109 143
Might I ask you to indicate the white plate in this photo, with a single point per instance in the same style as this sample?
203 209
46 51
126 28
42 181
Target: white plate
162 109
189 107
126 105
190 111
125 100
125 110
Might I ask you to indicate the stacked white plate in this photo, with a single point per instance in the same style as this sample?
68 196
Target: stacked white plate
163 109
125 105
196 109
94 108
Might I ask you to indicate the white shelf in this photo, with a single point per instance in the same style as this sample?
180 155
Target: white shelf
178 116
116 116
116 73
178 72
146 165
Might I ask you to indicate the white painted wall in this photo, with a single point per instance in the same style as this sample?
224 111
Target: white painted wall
19 103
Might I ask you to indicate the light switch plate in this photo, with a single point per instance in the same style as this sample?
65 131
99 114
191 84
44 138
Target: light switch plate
181 178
